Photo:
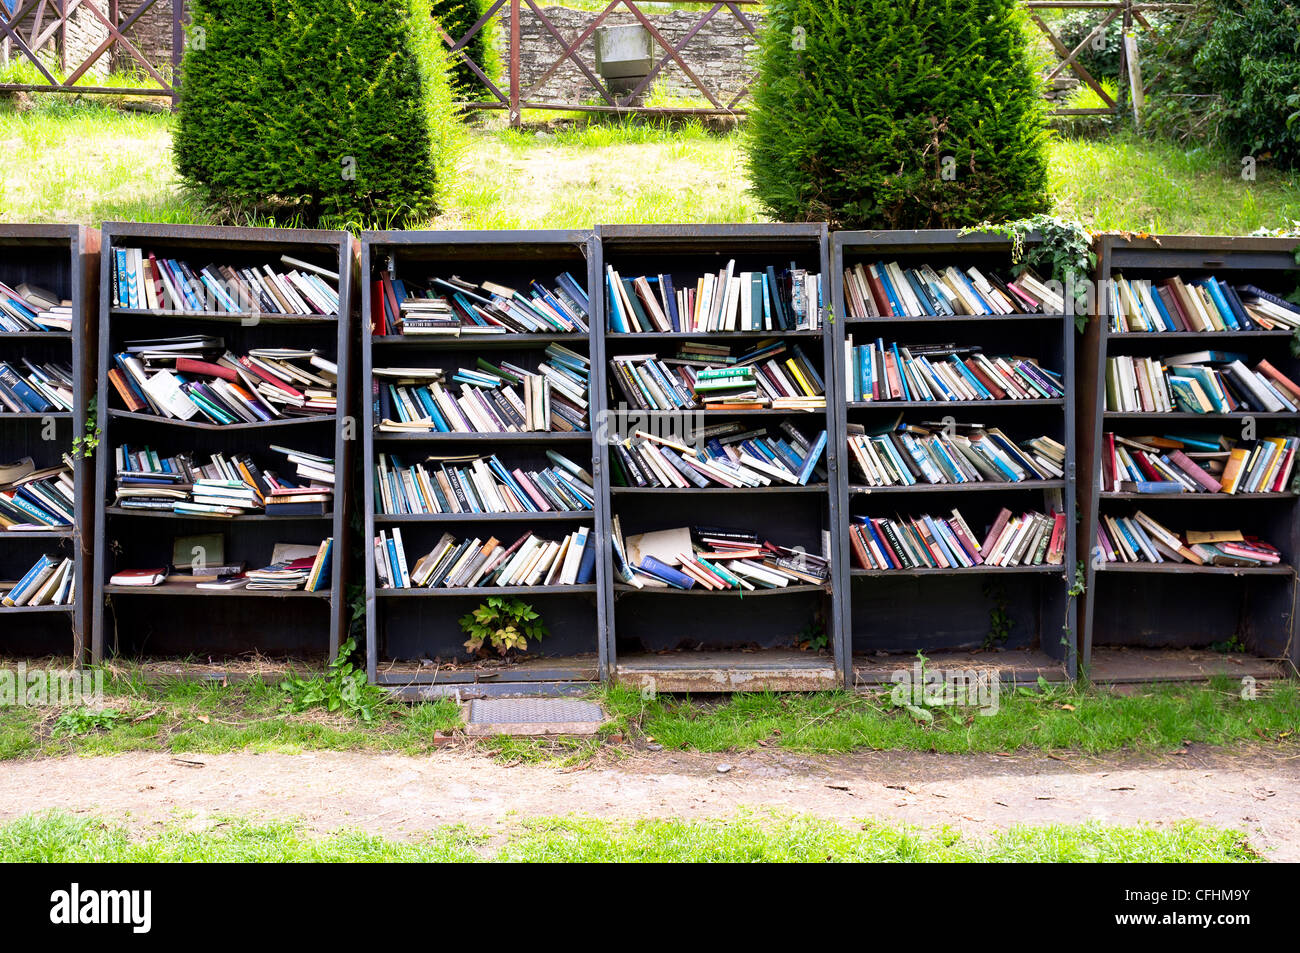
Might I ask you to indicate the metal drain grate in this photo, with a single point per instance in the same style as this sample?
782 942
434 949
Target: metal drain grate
532 716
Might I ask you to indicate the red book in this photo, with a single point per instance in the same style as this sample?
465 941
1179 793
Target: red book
1192 469
187 365
878 292
996 529
1057 544
269 378
1110 466
378 319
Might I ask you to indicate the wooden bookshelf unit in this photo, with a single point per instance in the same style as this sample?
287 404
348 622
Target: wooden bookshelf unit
1247 615
62 259
414 643
1022 617
177 621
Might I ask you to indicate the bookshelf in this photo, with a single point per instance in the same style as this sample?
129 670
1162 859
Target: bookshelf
414 644
954 616
1168 611
720 640
177 621
60 259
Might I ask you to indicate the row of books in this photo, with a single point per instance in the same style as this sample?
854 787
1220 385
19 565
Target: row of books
1203 382
530 561
731 300
773 375
481 484
195 376
293 566
224 486
494 398
936 542
731 456
453 307
30 308
888 290
1197 304
45 388
967 453
883 371
1141 539
713 558
50 582
1188 464
143 281
34 498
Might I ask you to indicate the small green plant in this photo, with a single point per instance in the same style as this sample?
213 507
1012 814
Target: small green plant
82 721
341 689
1000 622
1064 252
1229 646
813 637
86 445
502 624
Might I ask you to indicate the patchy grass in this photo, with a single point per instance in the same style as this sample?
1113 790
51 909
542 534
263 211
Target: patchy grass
746 838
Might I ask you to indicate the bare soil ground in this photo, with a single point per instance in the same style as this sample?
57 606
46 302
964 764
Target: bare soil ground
1256 791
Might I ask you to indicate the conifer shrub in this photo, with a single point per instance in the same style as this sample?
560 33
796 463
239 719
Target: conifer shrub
879 114
456 17
315 112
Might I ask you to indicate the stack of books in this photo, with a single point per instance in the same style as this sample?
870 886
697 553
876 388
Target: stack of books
142 281
50 582
937 542
454 307
1196 464
472 563
734 458
713 558
494 398
731 300
36 499
966 453
892 371
292 568
481 484
771 375
45 388
1201 382
1140 539
29 308
192 377
1196 305
888 290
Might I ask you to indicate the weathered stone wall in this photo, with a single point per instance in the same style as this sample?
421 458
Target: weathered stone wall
83 33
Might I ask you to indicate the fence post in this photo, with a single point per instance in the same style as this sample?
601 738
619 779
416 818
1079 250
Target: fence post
516 119
178 48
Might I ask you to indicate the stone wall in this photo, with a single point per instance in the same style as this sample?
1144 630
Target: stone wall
83 32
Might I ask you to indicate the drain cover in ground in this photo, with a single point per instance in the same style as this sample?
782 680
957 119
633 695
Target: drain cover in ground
532 716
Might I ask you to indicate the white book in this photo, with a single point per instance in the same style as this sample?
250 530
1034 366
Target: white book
167 394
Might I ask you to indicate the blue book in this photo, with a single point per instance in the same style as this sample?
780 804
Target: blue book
398 581
895 303
587 567
29 580
576 291
902 377
1220 303
810 461
657 569
123 297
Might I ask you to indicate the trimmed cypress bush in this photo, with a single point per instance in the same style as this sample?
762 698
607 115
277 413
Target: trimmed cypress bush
456 17
318 112
925 114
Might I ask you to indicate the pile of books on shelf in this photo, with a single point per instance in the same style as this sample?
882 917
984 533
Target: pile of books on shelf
29 308
730 456
224 486
472 563
36 499
731 300
772 374
494 398
142 281
50 582
1198 463
45 388
713 558
938 542
1201 382
199 562
290 570
190 377
1199 304
907 454
922 372
480 484
887 289
453 307
1140 539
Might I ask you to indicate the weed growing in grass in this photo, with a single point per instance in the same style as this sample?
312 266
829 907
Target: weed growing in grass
343 688
81 721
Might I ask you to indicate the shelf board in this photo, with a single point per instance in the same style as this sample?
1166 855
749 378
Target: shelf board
531 436
171 515
35 336
621 588
705 335
714 412
1190 569
193 425
54 415
562 515
224 317
1192 335
716 490
971 571
956 318
5 610
984 485
487 591
189 589
65 532
1198 496
455 342
1185 415
963 404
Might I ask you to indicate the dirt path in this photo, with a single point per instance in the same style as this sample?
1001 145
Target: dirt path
399 796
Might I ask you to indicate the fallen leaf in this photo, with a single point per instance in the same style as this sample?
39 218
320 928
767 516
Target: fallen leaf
146 716
204 718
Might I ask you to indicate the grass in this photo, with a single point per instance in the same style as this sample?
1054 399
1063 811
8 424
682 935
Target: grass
61 838
86 162
193 717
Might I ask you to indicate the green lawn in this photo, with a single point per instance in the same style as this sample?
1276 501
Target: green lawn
90 163
744 839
